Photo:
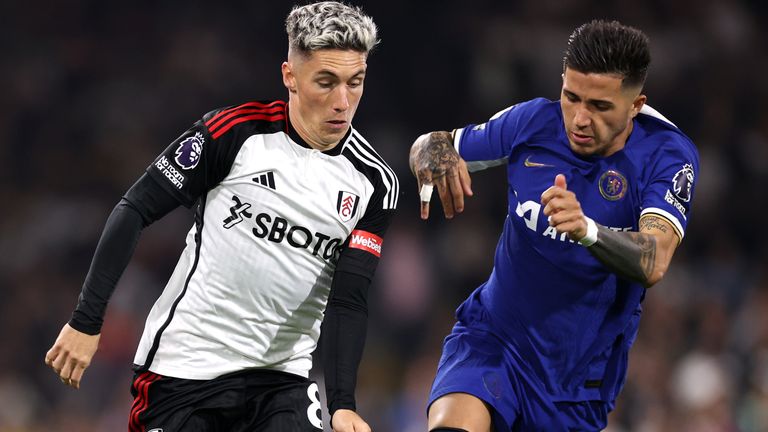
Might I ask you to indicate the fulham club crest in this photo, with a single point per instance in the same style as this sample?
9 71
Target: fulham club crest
346 205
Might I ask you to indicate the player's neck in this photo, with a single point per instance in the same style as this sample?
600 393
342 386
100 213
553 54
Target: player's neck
297 123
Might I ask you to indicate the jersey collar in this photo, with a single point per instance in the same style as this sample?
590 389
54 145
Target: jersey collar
295 137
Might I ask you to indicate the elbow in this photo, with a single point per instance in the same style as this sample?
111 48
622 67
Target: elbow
655 276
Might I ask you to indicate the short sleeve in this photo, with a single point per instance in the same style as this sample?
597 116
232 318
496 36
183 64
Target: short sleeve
490 143
670 189
181 168
203 155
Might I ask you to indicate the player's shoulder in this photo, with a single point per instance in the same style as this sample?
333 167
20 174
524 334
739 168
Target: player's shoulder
254 117
366 160
663 137
527 108
534 118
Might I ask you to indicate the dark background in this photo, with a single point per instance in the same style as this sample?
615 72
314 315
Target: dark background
91 92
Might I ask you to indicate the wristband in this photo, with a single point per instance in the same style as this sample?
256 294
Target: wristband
591 237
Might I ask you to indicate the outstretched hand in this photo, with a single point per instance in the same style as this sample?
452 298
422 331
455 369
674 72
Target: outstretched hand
71 354
564 210
344 420
435 162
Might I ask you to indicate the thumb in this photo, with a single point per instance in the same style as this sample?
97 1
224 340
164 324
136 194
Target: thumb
560 181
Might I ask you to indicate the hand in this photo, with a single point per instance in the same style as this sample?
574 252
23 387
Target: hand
434 161
71 354
564 210
344 420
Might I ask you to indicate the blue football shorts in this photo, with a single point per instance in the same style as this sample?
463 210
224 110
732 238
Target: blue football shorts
477 362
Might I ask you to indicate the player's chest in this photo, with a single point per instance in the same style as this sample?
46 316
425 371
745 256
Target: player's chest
300 186
606 189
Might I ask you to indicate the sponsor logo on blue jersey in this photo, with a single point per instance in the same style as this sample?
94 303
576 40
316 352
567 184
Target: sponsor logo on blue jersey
682 183
531 164
189 151
668 197
613 185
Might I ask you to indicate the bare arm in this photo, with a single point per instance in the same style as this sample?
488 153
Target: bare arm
642 256
434 161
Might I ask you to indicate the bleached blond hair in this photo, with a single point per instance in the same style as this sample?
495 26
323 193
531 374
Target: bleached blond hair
330 25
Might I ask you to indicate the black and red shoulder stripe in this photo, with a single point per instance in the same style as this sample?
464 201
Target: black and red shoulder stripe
224 120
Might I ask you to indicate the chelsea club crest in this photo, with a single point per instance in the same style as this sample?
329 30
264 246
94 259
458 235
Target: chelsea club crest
613 185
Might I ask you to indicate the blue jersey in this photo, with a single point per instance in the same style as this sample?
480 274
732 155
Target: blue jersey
563 312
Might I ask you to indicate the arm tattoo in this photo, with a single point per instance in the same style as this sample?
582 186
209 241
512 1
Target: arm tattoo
631 255
652 222
435 155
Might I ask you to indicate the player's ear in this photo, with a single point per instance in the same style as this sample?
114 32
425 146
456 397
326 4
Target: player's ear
637 104
289 79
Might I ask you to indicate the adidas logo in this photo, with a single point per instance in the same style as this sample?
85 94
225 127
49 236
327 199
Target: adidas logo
265 179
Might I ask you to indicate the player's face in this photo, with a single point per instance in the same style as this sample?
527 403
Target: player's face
598 112
325 88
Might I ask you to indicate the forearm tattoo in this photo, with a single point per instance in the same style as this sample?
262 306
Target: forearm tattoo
631 255
434 157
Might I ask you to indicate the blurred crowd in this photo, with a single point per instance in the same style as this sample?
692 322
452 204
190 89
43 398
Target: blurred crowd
92 91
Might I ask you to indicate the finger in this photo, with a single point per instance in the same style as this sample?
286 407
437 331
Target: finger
548 195
58 363
466 179
561 199
425 193
568 220
77 376
571 228
560 181
457 192
554 205
51 355
425 196
424 177
66 371
424 180
445 197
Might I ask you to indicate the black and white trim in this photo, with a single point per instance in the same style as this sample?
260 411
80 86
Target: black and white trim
367 155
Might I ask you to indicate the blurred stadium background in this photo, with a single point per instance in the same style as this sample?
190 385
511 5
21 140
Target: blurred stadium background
92 91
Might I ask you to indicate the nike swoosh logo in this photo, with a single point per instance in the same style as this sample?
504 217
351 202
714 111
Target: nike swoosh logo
528 163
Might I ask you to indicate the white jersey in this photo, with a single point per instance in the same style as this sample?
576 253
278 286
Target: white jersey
274 219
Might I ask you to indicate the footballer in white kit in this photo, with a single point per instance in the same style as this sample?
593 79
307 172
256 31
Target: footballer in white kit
292 205
276 220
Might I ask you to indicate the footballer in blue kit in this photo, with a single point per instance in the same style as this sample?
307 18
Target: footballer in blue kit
600 190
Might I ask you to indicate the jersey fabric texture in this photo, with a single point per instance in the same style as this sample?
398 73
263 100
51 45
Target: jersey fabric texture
275 220
562 316
255 400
